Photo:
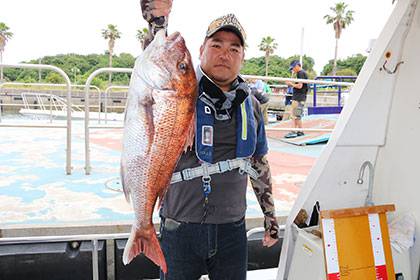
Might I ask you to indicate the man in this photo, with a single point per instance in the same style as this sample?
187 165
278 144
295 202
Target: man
298 99
203 212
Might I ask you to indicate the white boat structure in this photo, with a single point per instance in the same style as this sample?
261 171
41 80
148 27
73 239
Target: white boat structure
379 129
50 105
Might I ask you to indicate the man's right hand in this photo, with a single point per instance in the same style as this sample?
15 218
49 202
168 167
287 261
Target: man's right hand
155 8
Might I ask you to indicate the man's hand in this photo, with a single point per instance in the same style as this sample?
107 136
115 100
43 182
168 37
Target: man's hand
155 8
156 13
290 84
269 241
271 235
161 8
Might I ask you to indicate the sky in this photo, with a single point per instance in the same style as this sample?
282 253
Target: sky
50 27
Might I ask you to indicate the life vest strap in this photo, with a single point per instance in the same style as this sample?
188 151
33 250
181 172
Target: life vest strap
244 166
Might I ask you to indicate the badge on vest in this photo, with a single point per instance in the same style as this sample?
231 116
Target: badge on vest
207 110
207 135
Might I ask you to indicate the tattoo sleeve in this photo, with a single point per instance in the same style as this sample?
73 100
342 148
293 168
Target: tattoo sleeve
155 23
263 190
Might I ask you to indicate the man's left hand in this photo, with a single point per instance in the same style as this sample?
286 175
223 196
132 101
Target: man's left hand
269 241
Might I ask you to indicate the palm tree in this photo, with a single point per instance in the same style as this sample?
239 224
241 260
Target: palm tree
267 45
5 35
340 20
111 34
141 36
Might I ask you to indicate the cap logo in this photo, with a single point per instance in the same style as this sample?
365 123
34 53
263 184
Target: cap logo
224 21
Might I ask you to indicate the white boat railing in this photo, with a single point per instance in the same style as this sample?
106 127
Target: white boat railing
68 86
107 90
88 166
60 102
92 87
56 104
87 85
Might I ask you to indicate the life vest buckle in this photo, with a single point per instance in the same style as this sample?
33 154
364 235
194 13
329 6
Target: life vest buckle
225 166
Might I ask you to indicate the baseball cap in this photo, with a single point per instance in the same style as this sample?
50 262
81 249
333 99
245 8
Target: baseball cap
227 22
293 64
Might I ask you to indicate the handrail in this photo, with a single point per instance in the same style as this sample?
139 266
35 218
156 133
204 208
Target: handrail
87 85
129 70
304 81
2 85
68 85
339 92
106 98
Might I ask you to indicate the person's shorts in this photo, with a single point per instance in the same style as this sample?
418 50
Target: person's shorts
297 109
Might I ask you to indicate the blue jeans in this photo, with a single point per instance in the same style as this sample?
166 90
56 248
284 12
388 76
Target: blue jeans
194 249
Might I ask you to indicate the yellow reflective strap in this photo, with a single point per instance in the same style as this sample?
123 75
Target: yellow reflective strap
244 121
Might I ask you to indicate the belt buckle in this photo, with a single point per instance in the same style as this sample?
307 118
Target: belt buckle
186 174
224 166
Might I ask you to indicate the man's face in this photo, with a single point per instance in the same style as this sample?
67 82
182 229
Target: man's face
221 58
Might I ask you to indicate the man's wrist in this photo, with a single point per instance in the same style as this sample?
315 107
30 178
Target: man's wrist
271 226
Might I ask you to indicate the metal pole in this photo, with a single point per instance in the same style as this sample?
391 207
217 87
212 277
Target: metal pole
304 81
1 65
68 84
339 96
39 71
95 270
302 34
106 97
51 108
87 85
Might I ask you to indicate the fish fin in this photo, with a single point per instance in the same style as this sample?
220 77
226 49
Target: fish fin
148 121
146 242
126 190
189 141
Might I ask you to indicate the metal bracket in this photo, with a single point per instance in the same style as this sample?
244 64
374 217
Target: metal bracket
395 69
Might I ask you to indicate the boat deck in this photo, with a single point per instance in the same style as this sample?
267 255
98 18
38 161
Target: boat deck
36 192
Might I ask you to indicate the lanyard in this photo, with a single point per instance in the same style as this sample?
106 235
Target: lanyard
206 190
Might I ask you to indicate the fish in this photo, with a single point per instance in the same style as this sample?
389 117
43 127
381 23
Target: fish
158 128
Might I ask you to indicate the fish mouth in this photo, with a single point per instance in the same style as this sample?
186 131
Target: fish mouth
174 36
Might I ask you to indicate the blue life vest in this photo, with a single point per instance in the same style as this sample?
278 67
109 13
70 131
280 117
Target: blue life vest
250 140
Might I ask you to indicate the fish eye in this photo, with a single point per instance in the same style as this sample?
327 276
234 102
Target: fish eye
182 66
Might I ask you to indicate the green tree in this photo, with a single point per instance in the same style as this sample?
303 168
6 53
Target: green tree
267 45
340 19
355 63
111 34
279 67
77 67
5 35
54 78
141 36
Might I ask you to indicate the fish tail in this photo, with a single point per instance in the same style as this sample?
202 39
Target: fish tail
146 243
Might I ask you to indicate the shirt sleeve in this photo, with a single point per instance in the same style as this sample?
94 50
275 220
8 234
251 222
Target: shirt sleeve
263 189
